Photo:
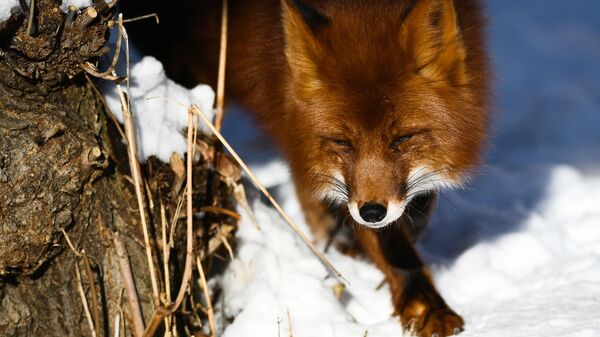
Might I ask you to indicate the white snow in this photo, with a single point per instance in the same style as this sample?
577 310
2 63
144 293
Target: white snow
517 253
7 7
160 108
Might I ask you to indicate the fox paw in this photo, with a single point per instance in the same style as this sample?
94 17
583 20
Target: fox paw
424 320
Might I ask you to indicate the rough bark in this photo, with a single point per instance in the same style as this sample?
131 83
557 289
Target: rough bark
63 167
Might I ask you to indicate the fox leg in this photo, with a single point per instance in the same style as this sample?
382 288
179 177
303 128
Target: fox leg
422 311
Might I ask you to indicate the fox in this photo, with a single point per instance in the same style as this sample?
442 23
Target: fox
377 105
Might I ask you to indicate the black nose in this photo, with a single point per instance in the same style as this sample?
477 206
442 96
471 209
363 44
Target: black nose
372 212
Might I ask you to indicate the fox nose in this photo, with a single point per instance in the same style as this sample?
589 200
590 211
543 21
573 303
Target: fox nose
372 212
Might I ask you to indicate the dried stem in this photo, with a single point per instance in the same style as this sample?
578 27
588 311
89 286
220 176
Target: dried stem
84 302
147 16
90 277
78 254
219 210
136 175
93 292
128 282
187 272
30 18
290 330
117 325
91 69
159 315
268 195
166 256
222 62
211 313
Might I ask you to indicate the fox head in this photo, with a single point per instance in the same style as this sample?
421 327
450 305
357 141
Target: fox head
390 100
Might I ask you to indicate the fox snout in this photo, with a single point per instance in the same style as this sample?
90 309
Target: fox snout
376 214
376 200
372 212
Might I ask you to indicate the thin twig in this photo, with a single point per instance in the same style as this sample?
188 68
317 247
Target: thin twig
187 272
240 196
211 313
91 69
93 292
290 329
278 326
117 325
30 18
166 257
135 172
86 308
147 16
219 210
129 284
223 238
176 218
78 254
268 195
88 270
159 315
222 61
121 313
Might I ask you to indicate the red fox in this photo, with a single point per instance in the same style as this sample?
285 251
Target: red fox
376 104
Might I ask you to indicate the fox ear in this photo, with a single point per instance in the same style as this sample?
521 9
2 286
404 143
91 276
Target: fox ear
432 37
302 14
302 25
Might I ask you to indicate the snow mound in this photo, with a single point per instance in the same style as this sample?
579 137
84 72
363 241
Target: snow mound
160 108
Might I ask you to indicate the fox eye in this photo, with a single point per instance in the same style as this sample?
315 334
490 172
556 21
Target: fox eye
341 142
399 140
345 145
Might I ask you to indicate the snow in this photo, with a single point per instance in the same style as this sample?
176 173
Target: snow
516 254
160 108
8 7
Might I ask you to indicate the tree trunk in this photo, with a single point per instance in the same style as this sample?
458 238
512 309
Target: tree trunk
63 167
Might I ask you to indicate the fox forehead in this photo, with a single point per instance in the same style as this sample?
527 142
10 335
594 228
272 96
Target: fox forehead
400 110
